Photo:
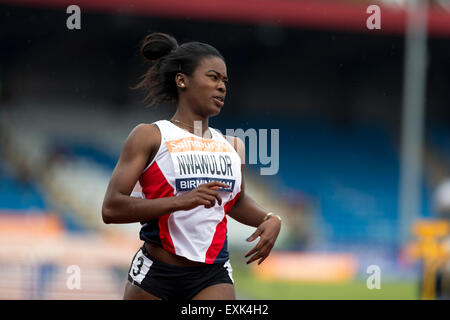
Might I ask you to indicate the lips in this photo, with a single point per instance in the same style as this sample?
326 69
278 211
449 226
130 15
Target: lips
219 100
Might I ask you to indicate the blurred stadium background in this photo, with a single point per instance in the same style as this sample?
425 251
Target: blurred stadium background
311 69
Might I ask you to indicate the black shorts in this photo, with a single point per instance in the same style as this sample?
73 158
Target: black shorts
170 282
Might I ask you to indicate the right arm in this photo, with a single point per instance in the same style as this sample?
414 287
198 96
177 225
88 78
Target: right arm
118 207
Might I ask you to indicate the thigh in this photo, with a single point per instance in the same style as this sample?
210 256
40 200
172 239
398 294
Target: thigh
221 291
133 292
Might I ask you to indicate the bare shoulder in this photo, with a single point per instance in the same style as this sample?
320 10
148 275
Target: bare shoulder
144 135
145 131
146 128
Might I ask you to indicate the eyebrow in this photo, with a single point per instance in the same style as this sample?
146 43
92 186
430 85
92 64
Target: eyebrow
225 77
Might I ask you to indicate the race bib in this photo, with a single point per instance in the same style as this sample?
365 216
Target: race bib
198 161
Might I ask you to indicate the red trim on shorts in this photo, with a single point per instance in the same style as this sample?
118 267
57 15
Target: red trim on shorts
155 186
220 235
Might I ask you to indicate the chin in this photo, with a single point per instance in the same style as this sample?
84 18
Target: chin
216 111
211 112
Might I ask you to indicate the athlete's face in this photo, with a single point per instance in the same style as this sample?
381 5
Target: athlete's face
206 88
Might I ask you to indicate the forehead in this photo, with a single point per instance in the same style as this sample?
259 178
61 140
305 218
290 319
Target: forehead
212 63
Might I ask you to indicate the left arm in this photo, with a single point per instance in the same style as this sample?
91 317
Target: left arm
248 212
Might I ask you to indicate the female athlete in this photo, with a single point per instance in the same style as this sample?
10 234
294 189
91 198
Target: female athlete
190 181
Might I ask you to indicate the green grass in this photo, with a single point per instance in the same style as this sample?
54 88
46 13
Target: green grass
250 287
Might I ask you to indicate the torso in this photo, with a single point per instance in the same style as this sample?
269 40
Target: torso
182 162
169 258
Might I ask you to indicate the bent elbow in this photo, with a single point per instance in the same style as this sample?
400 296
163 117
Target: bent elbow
107 215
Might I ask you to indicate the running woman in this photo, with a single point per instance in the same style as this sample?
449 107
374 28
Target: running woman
189 181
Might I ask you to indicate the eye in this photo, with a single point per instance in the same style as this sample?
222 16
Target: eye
214 76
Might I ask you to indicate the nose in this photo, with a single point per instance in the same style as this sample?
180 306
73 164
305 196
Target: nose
222 87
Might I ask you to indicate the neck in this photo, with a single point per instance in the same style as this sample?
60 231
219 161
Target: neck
188 121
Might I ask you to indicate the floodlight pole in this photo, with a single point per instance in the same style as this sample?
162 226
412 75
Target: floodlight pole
412 133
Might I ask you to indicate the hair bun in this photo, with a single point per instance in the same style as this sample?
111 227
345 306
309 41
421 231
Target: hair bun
157 45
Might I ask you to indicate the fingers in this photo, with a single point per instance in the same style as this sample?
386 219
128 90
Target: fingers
256 256
219 198
261 251
254 235
204 194
208 200
216 184
214 194
206 203
252 251
262 259
210 189
258 245
260 254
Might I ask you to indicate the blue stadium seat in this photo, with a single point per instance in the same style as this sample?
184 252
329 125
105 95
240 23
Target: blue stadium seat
15 195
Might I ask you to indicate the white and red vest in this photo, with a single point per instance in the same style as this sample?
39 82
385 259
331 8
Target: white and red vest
183 162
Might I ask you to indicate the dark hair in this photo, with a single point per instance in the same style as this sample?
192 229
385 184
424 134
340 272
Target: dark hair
169 59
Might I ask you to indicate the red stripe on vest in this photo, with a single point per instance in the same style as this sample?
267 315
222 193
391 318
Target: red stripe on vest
220 235
154 186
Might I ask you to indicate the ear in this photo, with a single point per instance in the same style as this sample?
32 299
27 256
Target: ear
181 80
